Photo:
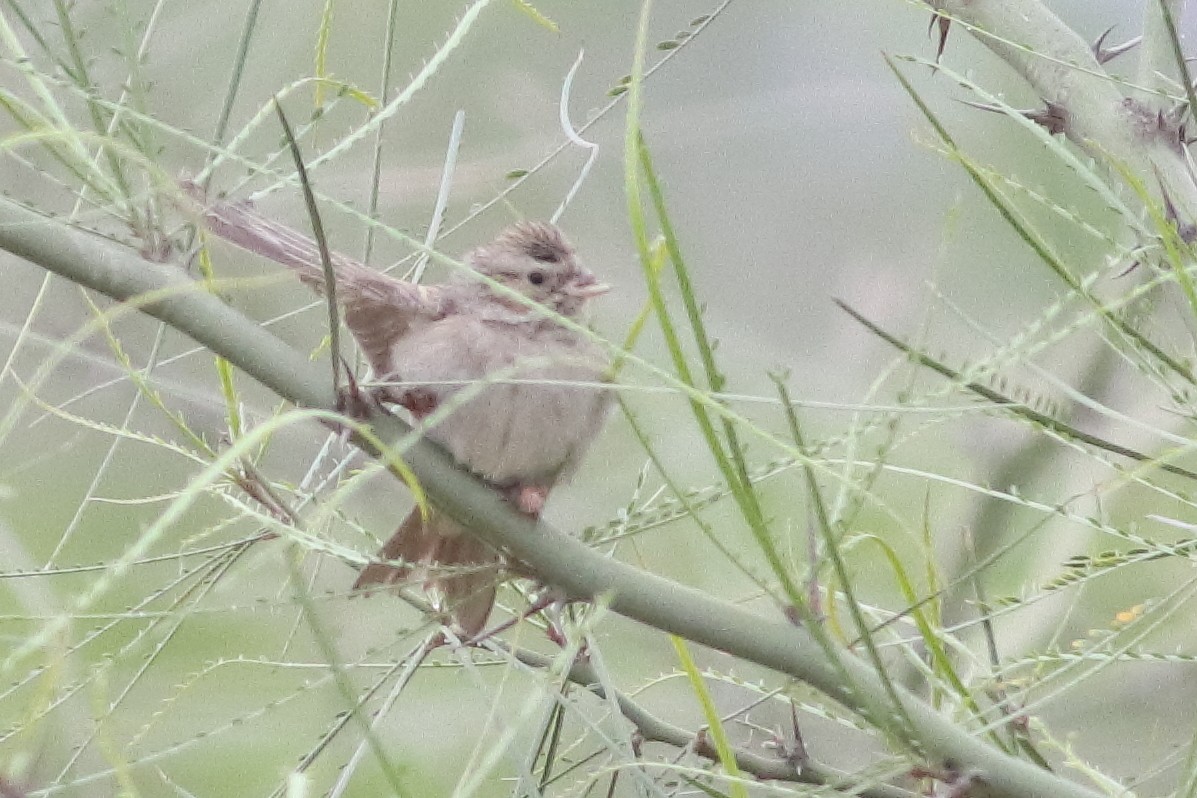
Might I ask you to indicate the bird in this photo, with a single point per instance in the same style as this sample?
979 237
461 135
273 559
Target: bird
513 395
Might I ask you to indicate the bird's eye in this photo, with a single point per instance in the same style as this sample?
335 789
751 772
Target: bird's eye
536 278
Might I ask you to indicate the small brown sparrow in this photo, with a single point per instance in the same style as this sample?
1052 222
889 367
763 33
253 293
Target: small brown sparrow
524 432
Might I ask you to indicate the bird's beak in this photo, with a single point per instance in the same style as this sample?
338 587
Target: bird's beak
586 286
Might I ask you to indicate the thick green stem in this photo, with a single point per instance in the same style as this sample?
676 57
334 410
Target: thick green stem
561 560
1156 61
1062 69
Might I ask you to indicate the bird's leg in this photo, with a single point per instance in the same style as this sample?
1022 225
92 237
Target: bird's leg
355 401
360 402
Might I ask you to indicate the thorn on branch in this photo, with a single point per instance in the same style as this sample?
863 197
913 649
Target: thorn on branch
1172 118
703 746
800 755
1150 123
1183 135
1134 264
1172 124
950 782
1105 54
1187 231
794 753
1053 117
944 24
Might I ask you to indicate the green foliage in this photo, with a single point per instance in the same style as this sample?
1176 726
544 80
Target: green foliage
215 621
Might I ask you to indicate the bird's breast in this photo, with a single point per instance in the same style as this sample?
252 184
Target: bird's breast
515 403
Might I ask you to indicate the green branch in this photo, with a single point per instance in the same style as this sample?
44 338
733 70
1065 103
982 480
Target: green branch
165 293
1102 117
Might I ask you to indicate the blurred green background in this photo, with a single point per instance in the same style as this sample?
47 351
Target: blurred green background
796 170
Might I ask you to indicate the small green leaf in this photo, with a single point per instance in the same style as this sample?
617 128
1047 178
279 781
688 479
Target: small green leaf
618 90
532 11
516 174
344 89
668 45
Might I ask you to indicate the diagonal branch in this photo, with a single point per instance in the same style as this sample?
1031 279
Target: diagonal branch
565 562
1103 119
656 729
1156 61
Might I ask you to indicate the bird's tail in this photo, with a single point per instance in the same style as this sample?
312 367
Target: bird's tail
240 223
459 572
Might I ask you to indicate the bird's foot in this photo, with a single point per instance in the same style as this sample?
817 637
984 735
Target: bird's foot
357 402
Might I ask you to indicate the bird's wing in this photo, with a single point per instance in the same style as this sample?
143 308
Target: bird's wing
378 309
